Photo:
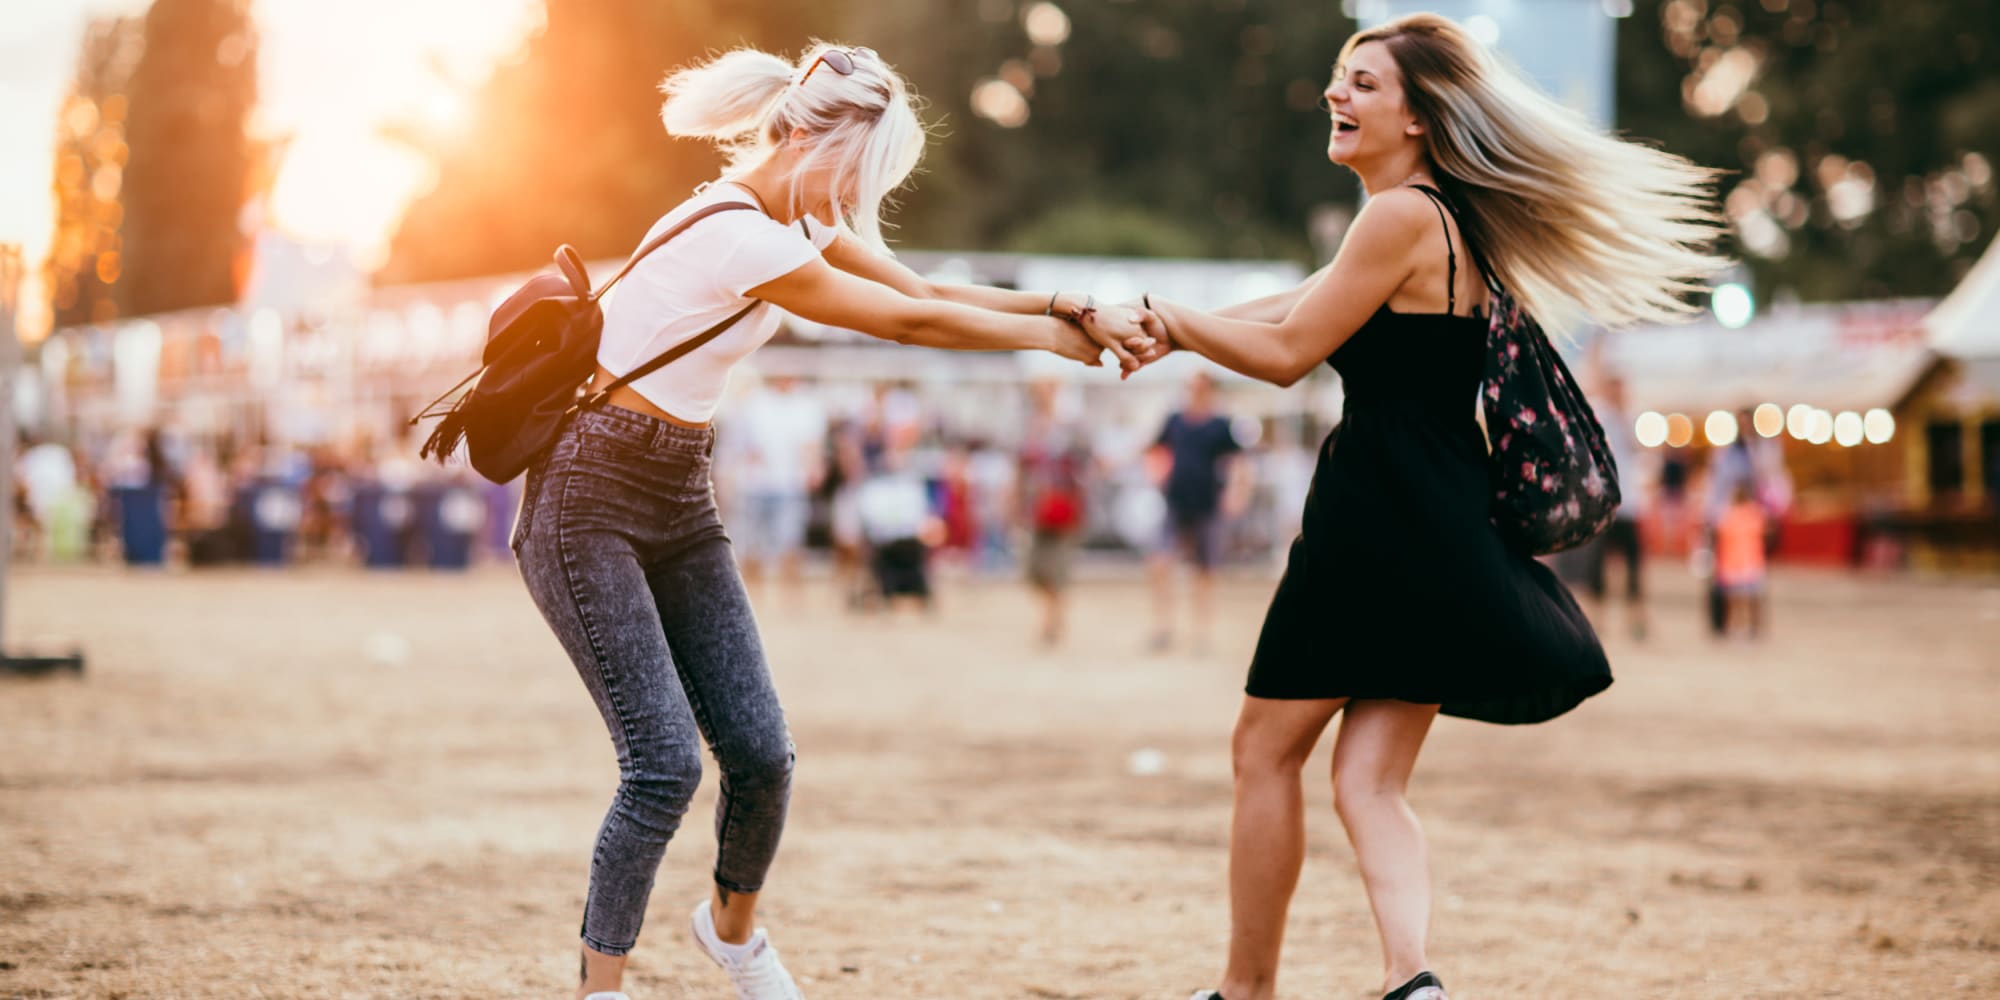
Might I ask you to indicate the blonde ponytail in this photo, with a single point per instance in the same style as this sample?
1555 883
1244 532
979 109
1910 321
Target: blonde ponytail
726 98
861 126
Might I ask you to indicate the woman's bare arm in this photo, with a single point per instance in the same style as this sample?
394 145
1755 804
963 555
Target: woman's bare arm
1374 261
824 294
848 254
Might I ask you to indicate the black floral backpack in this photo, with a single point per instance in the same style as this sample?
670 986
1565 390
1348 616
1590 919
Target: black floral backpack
1555 484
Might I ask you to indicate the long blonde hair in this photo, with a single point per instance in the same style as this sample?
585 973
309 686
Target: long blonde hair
862 124
1579 225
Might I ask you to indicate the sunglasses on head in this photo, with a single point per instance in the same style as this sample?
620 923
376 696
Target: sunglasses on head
841 60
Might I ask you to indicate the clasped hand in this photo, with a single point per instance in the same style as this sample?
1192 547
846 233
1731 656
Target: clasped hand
1135 335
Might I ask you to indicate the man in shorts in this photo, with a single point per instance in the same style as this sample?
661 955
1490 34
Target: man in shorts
1198 445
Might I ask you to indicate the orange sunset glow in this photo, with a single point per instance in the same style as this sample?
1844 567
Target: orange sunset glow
334 81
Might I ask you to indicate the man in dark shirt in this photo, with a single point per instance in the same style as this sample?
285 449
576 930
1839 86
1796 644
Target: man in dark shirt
1199 444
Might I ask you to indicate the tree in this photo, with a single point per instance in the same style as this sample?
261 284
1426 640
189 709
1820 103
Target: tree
85 259
567 145
1187 125
1198 114
1862 137
185 186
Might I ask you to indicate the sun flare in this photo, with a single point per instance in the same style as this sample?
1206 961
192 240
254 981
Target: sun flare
334 82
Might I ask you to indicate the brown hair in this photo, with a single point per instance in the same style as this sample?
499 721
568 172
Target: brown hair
1577 224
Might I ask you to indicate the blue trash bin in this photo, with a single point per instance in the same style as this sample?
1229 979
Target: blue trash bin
142 523
449 516
502 500
275 510
382 525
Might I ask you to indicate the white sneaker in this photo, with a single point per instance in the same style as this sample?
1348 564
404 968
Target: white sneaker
607 996
753 968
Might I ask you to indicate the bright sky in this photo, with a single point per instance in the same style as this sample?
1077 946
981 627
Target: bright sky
331 75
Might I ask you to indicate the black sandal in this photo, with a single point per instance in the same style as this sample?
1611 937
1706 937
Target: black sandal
1409 990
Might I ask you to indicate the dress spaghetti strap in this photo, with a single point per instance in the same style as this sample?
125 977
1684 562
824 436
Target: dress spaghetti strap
1450 254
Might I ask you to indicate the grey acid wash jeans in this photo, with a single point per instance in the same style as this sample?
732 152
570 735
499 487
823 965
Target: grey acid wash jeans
621 547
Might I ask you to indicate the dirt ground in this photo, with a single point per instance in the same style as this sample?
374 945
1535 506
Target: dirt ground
330 784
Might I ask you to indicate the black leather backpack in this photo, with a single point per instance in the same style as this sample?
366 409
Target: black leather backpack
541 348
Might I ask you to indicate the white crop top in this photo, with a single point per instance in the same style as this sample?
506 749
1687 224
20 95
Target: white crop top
694 282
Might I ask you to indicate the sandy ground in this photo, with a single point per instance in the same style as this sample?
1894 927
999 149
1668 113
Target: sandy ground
327 784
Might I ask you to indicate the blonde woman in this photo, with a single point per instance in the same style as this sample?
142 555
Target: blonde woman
1399 599
618 537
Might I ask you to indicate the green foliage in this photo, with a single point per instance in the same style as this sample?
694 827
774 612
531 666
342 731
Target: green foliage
1202 111
1178 127
1097 228
1905 91
1211 129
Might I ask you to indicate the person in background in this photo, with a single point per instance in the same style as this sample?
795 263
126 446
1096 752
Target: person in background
780 435
896 519
1672 495
1621 536
954 502
847 469
1199 444
1055 457
1739 561
991 473
1751 463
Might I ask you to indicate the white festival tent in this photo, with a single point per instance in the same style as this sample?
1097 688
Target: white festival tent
1965 327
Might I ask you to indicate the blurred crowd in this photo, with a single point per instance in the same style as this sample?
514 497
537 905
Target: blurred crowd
881 482
154 497
885 488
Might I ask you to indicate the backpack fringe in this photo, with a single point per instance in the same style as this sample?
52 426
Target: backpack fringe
447 436
451 429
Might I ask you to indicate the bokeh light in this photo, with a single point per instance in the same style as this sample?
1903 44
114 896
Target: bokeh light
1769 420
1046 24
1733 305
1000 103
1819 430
1798 421
1650 429
1879 425
1847 429
1680 430
1720 428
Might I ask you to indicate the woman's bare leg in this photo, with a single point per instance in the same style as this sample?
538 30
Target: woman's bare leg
1267 835
1372 759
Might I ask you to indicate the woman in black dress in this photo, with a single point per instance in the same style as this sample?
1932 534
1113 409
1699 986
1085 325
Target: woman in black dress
1400 599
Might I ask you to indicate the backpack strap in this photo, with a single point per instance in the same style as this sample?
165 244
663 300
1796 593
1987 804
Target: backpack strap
667 357
676 352
661 240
